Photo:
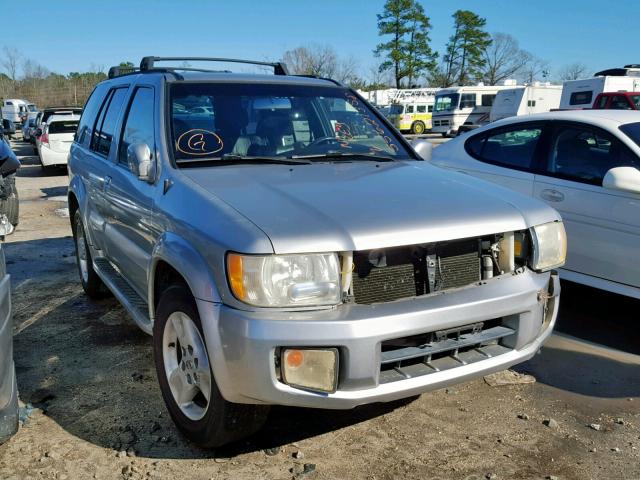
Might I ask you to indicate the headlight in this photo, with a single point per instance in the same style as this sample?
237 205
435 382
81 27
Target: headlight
549 246
285 280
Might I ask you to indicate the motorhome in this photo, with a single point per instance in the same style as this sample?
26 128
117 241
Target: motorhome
467 107
526 100
580 94
15 110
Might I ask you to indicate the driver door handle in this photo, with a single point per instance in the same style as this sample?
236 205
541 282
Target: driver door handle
107 183
552 195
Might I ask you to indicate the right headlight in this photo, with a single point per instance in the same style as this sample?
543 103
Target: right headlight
285 280
549 246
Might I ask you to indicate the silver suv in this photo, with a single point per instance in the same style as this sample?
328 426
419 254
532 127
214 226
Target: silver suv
284 244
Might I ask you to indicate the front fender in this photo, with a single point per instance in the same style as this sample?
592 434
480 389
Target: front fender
188 262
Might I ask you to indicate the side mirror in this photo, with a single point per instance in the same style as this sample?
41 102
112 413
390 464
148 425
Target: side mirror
626 179
140 162
424 148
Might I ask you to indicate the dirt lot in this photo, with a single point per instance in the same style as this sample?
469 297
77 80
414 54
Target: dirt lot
87 371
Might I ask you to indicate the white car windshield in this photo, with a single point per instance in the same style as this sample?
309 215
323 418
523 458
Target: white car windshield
216 121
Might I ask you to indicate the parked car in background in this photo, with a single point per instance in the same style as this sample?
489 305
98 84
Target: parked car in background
526 100
280 256
411 117
617 101
28 129
55 138
43 117
8 386
580 94
585 164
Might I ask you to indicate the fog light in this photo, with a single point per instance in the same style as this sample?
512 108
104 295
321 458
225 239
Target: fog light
314 369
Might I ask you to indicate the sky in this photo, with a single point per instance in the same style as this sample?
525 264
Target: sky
74 35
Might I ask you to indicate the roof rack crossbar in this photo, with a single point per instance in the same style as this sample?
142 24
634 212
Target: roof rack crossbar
147 63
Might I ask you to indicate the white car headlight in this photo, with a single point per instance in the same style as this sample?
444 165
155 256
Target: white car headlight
285 280
549 246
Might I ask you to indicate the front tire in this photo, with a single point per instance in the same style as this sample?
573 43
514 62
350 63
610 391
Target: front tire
186 379
91 282
417 128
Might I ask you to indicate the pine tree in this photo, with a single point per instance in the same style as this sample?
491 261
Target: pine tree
408 51
464 58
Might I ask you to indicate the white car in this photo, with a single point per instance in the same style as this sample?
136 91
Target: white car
55 139
586 164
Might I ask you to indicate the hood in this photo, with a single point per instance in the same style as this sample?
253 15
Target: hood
360 205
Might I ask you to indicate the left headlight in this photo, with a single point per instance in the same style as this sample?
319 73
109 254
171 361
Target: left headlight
285 280
549 246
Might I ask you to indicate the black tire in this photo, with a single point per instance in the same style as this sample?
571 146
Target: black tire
10 205
418 128
91 283
224 422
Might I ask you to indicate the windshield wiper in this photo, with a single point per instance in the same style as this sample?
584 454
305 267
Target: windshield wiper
345 156
233 159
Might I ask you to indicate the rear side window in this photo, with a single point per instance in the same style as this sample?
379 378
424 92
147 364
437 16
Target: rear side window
511 148
63 127
581 98
88 118
106 123
468 100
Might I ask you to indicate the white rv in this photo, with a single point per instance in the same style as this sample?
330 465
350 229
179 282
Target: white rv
15 110
536 98
580 94
470 107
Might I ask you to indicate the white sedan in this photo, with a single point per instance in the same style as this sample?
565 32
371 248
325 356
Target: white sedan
586 164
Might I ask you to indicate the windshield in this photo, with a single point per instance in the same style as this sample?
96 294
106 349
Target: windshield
446 103
213 120
396 109
632 130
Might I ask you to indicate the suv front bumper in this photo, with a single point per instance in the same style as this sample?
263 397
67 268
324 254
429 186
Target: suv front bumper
242 344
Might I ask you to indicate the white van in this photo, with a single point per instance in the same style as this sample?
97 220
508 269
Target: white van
468 106
15 110
536 98
580 94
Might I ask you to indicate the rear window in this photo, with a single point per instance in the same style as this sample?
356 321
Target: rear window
632 130
581 98
63 127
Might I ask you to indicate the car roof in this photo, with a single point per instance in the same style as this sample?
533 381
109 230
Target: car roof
62 118
611 118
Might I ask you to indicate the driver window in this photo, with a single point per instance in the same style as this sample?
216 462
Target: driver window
586 155
139 125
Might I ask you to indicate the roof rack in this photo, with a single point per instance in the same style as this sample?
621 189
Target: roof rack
121 70
148 63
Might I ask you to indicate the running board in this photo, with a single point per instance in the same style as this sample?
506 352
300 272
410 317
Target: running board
127 296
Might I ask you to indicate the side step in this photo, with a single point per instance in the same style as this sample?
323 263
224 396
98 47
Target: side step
127 296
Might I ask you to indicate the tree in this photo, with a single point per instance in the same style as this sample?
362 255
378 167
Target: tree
10 61
574 71
503 59
464 58
534 69
321 61
407 52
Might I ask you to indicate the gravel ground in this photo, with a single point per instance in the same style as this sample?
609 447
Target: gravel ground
92 407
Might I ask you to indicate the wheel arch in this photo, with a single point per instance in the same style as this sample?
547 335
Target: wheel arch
174 260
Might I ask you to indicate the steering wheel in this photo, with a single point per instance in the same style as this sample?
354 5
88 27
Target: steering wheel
322 141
